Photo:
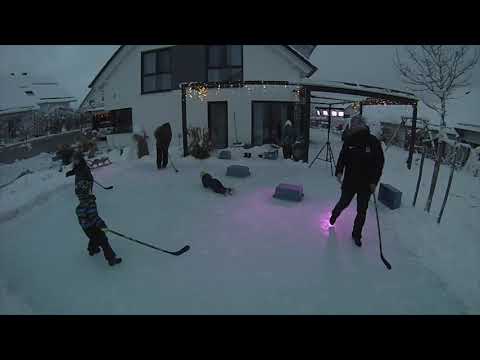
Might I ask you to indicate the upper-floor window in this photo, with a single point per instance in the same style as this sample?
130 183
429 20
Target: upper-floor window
225 63
156 70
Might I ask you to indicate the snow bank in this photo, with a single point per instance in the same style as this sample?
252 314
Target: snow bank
30 190
40 162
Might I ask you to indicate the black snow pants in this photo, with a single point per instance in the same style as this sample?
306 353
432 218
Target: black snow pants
287 151
162 155
218 187
98 240
363 197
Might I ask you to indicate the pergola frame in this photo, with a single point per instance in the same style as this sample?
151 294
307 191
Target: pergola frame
372 96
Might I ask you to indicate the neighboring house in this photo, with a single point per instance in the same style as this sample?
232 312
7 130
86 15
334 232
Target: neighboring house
25 100
469 133
141 89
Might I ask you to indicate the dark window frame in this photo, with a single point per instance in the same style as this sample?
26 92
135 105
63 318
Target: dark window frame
142 74
207 49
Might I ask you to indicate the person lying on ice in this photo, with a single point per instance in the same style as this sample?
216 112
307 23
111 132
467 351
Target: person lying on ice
93 226
80 170
362 160
209 182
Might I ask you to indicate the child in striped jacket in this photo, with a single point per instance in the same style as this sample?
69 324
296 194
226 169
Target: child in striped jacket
93 226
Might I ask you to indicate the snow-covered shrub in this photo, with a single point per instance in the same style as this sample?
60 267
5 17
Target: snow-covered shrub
199 145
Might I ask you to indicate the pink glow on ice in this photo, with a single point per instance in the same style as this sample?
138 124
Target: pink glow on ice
324 222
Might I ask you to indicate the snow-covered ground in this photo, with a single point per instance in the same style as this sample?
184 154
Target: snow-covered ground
250 253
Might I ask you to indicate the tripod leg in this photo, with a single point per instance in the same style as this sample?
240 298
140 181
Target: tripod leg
330 155
316 157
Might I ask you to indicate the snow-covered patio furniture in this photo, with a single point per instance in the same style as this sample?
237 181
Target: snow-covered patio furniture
225 155
389 196
238 171
289 192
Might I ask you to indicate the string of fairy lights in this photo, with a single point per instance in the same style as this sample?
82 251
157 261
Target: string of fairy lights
200 91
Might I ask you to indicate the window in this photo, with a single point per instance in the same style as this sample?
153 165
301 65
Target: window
121 120
29 93
156 71
225 62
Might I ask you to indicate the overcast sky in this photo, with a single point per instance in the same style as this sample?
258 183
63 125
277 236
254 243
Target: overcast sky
75 66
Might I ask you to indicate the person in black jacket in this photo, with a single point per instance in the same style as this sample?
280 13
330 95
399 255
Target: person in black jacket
211 183
93 226
163 135
361 161
80 170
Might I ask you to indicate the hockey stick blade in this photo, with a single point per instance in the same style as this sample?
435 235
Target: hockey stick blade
387 264
179 252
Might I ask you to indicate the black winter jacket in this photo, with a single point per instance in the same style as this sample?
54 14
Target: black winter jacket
289 135
163 134
81 172
362 160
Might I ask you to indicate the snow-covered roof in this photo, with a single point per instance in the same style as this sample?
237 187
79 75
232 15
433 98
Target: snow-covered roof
25 92
468 127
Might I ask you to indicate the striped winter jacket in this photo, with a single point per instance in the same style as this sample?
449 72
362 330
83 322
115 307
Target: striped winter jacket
87 214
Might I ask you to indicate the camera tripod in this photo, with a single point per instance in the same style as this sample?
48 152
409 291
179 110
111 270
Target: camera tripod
329 152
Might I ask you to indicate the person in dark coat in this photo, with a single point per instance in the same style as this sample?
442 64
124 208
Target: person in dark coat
92 224
361 161
80 170
163 135
211 183
288 139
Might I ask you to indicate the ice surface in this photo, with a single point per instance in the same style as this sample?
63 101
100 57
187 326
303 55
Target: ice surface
250 254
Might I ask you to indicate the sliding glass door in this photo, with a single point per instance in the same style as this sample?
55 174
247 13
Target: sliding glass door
268 120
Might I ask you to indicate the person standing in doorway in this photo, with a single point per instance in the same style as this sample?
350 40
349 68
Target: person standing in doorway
288 139
361 162
163 136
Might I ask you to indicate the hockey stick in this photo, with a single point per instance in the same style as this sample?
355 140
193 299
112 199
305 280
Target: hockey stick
176 253
387 264
106 188
171 162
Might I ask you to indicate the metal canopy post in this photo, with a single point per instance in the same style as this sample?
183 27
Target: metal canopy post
184 121
413 136
306 124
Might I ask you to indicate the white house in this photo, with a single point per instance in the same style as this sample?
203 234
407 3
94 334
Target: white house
140 85
24 98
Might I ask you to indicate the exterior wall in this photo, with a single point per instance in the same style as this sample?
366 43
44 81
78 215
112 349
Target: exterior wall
268 62
122 89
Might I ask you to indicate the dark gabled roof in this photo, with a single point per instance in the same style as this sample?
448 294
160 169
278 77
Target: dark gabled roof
289 47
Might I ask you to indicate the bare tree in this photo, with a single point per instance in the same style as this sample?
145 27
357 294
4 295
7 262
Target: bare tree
436 73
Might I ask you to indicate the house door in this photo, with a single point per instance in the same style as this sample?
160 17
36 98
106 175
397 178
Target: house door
218 123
